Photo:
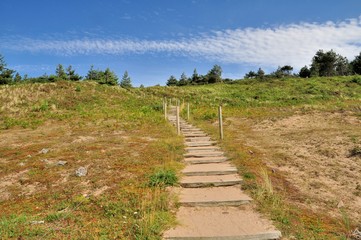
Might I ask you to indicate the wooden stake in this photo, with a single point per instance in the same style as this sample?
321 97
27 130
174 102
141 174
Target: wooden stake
178 121
165 110
188 111
220 122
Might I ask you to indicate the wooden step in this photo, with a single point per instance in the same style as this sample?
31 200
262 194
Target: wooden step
192 134
200 144
221 223
209 169
210 181
198 139
215 196
204 154
202 148
205 160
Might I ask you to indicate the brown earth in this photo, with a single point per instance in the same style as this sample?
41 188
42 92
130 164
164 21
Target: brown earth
312 150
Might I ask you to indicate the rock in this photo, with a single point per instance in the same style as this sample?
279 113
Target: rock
340 204
61 163
37 222
81 172
44 150
21 164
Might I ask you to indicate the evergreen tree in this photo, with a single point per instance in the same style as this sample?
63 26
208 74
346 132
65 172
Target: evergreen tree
17 78
109 77
329 64
356 65
250 74
172 81
71 75
93 74
260 73
183 80
60 72
126 81
214 75
195 79
305 72
6 75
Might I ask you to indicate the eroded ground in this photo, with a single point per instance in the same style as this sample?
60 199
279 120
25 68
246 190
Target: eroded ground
313 150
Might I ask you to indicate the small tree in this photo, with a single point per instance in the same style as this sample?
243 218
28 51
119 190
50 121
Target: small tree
215 74
17 78
305 72
126 81
60 72
93 74
250 74
109 77
195 79
6 75
260 73
183 80
172 81
329 64
356 64
71 75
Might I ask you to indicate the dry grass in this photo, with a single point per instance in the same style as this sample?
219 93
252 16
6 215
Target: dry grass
296 146
119 137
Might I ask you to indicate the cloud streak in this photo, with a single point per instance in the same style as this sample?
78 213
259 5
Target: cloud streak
293 44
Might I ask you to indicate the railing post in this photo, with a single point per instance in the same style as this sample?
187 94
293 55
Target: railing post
188 111
220 122
178 121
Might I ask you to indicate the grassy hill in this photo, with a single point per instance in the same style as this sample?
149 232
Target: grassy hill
295 142
119 136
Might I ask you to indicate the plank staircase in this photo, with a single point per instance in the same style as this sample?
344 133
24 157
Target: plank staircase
213 206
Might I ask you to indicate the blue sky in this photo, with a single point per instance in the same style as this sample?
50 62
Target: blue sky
153 39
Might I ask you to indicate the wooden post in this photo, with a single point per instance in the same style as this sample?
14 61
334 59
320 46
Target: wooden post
165 110
178 121
188 111
220 122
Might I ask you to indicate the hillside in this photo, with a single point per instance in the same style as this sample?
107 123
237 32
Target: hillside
48 131
296 142
305 132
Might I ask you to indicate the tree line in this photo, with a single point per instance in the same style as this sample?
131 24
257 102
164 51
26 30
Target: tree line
9 76
213 76
323 64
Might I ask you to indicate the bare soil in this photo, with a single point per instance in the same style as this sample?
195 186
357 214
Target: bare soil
313 151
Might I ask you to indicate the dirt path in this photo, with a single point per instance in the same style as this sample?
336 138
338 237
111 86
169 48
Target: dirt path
213 205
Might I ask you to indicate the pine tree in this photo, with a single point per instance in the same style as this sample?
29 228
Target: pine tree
60 72
126 81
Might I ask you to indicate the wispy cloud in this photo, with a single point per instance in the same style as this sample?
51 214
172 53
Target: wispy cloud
293 44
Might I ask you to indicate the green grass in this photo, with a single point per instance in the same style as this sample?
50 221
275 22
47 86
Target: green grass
123 138
119 135
271 100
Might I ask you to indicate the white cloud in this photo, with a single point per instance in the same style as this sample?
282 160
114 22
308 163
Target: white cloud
293 44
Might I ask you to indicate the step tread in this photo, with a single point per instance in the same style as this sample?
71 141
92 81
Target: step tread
218 223
231 195
212 180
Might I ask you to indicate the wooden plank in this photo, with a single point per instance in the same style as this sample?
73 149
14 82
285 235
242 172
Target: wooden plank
208 181
221 223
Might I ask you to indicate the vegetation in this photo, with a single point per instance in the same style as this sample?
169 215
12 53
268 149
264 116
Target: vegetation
257 100
119 135
126 82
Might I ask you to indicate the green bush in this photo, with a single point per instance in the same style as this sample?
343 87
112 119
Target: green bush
163 178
